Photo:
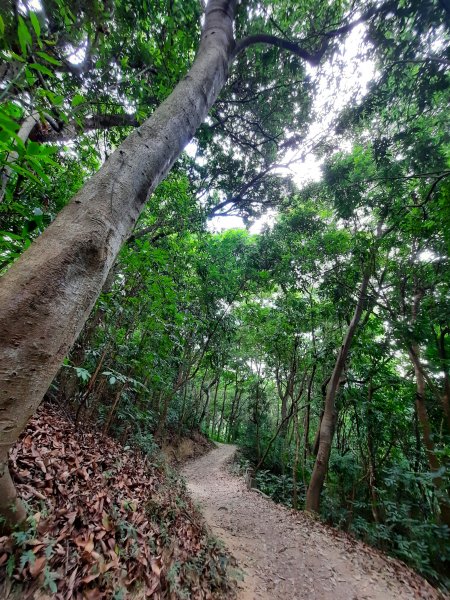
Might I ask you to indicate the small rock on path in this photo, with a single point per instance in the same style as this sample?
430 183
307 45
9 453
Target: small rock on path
287 555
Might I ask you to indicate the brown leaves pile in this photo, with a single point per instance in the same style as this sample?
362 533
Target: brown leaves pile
103 523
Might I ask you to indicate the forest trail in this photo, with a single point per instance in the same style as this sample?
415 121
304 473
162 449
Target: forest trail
286 554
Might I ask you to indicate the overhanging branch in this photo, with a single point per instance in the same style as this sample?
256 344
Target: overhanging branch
273 40
313 58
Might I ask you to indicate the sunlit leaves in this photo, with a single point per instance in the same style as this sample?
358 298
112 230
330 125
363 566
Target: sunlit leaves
25 39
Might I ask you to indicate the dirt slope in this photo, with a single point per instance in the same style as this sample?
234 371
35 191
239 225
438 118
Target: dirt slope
105 522
287 555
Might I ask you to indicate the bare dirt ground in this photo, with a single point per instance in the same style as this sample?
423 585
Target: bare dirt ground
286 554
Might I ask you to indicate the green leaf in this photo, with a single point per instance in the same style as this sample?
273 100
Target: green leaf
35 165
10 565
77 100
58 100
25 172
41 69
24 36
36 25
20 146
27 557
49 59
11 235
50 579
82 374
17 57
2 26
7 123
31 79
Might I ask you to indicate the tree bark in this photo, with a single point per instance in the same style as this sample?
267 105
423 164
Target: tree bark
421 408
329 417
372 471
113 408
222 412
206 404
71 130
422 414
212 423
295 462
49 292
306 422
445 396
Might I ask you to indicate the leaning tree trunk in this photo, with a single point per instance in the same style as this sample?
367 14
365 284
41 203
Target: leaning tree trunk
47 295
329 416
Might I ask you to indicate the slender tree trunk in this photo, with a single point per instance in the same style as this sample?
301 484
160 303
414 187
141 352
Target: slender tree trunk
258 433
206 404
216 391
166 401
372 478
222 412
307 421
422 414
295 462
329 417
92 380
445 396
68 382
421 408
113 408
315 446
183 407
272 439
49 292
233 414
23 134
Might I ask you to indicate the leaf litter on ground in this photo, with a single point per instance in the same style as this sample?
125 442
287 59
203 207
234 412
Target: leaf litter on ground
104 522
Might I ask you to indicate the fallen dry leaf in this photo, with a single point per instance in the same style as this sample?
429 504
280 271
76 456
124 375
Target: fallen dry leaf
38 566
100 531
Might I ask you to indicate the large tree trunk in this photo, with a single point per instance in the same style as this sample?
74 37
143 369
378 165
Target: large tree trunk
49 292
329 416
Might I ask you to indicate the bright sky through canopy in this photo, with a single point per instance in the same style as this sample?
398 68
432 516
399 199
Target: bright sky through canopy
341 80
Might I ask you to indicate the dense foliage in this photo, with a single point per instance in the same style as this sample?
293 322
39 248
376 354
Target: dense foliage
236 333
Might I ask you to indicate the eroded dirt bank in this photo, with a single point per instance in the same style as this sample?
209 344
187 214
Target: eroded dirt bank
287 555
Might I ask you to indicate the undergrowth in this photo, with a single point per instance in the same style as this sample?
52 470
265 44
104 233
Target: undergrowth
424 546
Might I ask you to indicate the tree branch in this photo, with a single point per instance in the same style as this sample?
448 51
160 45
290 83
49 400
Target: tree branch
313 58
273 40
74 128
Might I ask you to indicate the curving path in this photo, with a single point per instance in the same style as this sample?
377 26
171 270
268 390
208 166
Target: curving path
287 555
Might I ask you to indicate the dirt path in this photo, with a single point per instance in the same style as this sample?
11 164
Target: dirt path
287 555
